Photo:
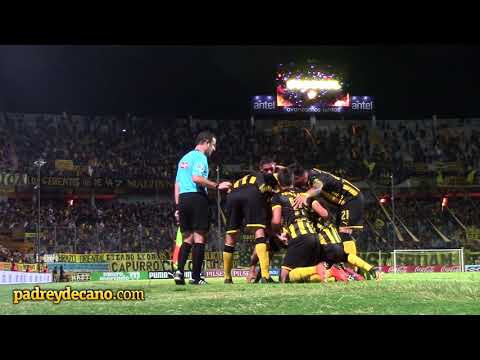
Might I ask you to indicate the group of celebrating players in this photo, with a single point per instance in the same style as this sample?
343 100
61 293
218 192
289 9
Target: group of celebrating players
310 213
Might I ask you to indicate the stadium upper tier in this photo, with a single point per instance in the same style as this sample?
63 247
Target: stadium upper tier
146 147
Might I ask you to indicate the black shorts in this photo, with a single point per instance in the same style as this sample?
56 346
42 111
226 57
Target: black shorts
194 212
246 204
333 254
351 214
302 251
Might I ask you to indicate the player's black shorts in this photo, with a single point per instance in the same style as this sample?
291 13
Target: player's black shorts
302 251
194 212
246 204
333 254
351 214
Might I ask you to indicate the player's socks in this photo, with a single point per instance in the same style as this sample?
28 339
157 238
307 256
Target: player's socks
356 261
318 278
302 274
349 246
315 278
228 261
262 253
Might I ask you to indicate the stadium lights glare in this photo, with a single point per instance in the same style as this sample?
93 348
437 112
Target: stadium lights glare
311 94
313 85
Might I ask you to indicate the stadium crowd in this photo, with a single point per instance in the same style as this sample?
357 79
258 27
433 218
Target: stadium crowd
114 227
133 147
420 218
133 227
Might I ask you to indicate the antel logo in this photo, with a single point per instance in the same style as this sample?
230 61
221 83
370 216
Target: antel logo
362 103
263 103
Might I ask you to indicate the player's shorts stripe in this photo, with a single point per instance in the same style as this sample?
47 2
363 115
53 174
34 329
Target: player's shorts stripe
276 206
286 268
232 231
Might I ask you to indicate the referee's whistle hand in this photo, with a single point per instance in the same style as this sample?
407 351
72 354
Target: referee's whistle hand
224 185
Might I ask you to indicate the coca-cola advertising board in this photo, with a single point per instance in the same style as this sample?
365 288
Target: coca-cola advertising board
422 268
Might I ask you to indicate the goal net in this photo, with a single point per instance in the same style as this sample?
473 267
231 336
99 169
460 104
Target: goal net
428 260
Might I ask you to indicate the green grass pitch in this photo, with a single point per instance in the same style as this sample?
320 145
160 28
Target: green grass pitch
415 294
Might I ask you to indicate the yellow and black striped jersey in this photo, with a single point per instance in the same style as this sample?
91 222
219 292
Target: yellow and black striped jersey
335 190
327 232
295 222
266 183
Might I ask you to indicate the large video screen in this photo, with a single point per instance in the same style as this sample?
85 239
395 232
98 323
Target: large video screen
310 88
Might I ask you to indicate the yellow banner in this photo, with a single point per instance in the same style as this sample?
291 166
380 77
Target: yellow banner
106 257
13 179
142 261
6 266
66 165
213 260
7 190
453 166
140 265
473 233
420 168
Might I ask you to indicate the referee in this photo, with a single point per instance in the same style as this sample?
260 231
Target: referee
192 208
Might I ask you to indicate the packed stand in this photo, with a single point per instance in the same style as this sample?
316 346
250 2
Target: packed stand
114 227
148 148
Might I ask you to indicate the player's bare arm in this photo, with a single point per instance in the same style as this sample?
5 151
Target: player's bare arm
200 180
319 209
